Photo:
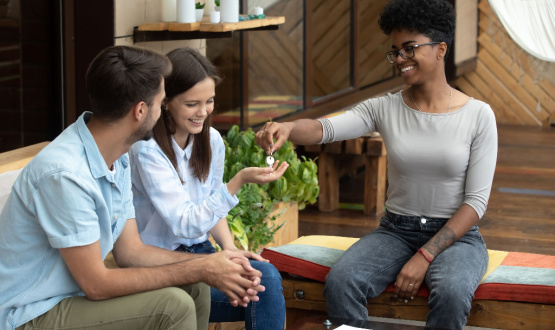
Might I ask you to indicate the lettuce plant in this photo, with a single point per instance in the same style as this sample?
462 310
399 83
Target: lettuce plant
249 220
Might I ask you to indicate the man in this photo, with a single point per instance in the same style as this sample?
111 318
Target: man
72 205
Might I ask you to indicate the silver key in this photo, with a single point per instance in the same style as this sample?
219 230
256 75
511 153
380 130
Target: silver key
270 161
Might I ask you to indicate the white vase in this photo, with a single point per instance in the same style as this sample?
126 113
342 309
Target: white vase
229 10
198 14
168 11
214 16
186 11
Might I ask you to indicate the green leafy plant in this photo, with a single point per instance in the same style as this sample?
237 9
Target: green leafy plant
198 5
217 3
249 220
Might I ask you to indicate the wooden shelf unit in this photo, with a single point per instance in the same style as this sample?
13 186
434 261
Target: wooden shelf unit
163 31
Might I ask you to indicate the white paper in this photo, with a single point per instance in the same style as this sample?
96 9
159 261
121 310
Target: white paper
346 327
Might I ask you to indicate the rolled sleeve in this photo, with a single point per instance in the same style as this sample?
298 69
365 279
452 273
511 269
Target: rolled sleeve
222 201
356 122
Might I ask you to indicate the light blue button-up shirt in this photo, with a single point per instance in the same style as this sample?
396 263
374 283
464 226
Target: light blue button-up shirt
170 213
65 197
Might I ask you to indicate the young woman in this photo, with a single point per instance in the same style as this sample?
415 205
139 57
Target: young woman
441 149
179 196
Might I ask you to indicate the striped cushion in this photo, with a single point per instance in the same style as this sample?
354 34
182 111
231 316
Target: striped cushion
510 276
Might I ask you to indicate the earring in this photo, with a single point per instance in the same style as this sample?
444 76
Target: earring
438 58
164 107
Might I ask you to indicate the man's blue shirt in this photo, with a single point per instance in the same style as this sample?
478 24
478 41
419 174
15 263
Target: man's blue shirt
65 197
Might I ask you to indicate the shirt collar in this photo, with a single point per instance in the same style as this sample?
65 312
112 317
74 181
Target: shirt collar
180 153
97 164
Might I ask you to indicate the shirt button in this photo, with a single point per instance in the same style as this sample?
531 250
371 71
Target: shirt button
423 220
114 185
115 217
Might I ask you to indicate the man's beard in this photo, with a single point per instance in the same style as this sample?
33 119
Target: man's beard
144 132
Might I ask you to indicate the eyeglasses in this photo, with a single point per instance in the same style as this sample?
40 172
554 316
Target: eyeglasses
405 52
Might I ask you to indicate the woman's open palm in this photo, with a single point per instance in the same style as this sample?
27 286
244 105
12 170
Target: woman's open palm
263 175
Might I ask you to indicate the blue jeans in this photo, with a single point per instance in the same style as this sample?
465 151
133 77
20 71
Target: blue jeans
266 313
372 263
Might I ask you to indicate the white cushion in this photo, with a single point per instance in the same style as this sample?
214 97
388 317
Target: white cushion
7 180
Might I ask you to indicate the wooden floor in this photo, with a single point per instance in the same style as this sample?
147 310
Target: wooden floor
521 211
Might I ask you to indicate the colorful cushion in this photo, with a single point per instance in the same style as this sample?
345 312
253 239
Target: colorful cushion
510 276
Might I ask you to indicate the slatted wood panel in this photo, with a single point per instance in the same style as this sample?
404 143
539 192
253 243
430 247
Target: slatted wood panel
507 78
330 46
275 57
373 66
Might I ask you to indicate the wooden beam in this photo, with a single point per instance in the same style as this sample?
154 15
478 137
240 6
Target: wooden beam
328 179
18 158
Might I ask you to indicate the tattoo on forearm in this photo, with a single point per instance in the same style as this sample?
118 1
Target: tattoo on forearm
444 238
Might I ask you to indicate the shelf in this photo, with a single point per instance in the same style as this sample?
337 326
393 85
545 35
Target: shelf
163 31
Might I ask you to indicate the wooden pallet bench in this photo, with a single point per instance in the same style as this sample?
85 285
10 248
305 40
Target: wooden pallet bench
337 158
517 291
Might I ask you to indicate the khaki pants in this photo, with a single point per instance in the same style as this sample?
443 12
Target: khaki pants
169 308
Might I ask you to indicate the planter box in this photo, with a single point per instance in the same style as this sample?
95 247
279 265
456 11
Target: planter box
290 230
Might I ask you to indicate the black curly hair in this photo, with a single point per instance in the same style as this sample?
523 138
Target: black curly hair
433 18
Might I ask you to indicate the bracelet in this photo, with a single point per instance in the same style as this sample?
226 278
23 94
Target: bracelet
422 253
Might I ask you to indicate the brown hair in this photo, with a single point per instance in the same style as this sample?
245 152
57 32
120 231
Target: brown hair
189 68
121 76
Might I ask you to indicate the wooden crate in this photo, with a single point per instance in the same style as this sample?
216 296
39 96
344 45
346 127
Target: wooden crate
370 152
303 297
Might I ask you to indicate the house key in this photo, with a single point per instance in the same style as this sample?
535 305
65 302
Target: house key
270 161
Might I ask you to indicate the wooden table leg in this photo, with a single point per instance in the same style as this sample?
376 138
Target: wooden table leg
374 185
328 179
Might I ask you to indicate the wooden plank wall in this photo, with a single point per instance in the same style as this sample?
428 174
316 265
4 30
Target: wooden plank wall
507 78
373 66
331 46
276 57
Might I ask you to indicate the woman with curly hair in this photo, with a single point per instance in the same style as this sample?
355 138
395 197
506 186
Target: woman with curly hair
441 149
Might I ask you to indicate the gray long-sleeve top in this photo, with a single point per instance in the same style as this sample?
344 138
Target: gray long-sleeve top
436 162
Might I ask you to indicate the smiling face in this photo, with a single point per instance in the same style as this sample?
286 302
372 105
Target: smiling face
190 109
425 63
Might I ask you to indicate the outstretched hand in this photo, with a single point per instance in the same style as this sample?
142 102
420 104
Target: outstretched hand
270 131
231 273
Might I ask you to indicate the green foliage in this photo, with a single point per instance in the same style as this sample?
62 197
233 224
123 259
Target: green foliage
217 3
199 5
249 220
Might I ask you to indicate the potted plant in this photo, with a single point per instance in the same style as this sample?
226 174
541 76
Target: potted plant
256 219
199 11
